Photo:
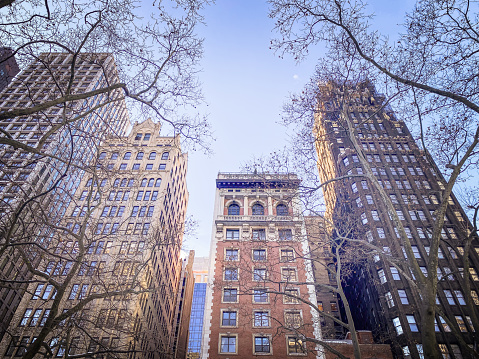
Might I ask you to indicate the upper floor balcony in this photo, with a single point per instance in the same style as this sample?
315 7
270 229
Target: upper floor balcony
257 180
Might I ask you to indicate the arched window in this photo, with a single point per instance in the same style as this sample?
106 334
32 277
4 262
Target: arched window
158 182
139 155
152 156
102 155
151 182
116 182
258 209
131 181
114 156
281 210
124 181
127 156
165 155
233 209
143 182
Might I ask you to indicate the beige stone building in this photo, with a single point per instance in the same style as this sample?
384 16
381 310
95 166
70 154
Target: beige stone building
108 276
49 177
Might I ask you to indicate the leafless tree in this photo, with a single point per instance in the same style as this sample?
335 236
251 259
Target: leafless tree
429 74
147 61
86 281
153 70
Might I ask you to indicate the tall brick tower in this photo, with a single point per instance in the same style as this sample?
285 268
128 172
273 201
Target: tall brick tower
383 300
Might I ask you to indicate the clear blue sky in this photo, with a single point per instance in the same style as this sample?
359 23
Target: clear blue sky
245 85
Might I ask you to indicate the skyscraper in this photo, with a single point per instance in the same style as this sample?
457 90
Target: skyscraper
43 153
124 227
258 271
384 301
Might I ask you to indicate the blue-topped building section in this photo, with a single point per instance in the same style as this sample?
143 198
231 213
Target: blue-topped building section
259 180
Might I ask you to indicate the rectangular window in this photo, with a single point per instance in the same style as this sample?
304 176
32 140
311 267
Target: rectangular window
228 318
288 275
460 297
403 296
46 313
261 344
259 235
147 196
260 295
228 344
134 212
394 273
285 234
461 324
290 296
473 274
287 255
412 323
105 211
415 250
232 255
259 254
382 276
389 299
295 345
231 273
38 291
381 232
397 325
151 209
74 291
48 290
142 211
475 297
259 274
22 347
35 317
232 234
26 316
230 295
261 319
146 228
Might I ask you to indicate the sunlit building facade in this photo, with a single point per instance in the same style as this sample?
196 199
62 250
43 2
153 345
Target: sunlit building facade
25 175
258 270
381 297
129 215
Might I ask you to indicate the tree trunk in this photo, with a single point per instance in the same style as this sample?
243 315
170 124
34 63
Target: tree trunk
428 316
